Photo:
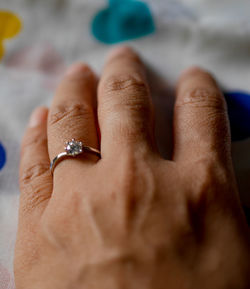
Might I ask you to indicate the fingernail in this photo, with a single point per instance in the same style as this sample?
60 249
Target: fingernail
121 49
38 116
77 70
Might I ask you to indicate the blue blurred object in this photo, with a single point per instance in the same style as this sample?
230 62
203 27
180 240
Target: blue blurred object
122 20
238 103
2 156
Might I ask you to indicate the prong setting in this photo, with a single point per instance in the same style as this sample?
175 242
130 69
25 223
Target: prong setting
73 147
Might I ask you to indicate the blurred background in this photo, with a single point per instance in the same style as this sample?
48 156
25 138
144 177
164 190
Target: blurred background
40 38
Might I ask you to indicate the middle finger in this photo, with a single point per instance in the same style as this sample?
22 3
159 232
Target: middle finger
125 110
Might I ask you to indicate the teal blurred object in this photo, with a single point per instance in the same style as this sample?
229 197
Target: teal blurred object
122 20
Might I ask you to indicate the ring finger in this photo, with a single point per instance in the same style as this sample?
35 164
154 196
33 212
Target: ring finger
73 115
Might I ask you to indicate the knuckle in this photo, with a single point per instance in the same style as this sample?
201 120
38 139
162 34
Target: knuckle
209 191
55 220
131 99
67 113
34 172
137 185
133 133
33 197
210 180
34 139
138 104
130 83
34 186
127 110
202 98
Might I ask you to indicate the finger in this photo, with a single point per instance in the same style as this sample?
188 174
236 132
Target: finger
34 177
73 115
125 111
201 127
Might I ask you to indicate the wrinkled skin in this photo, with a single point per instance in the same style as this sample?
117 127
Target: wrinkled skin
130 219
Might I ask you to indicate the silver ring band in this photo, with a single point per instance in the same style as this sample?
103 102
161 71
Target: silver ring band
72 149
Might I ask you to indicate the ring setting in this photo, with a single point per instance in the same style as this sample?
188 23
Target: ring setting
73 148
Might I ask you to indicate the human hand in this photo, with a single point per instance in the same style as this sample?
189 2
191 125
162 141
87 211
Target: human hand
130 219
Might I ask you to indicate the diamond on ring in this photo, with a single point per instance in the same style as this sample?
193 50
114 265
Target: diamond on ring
73 147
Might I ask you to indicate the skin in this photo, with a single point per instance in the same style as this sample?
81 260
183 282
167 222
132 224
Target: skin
130 219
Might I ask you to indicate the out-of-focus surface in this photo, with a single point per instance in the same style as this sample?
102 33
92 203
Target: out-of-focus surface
55 33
